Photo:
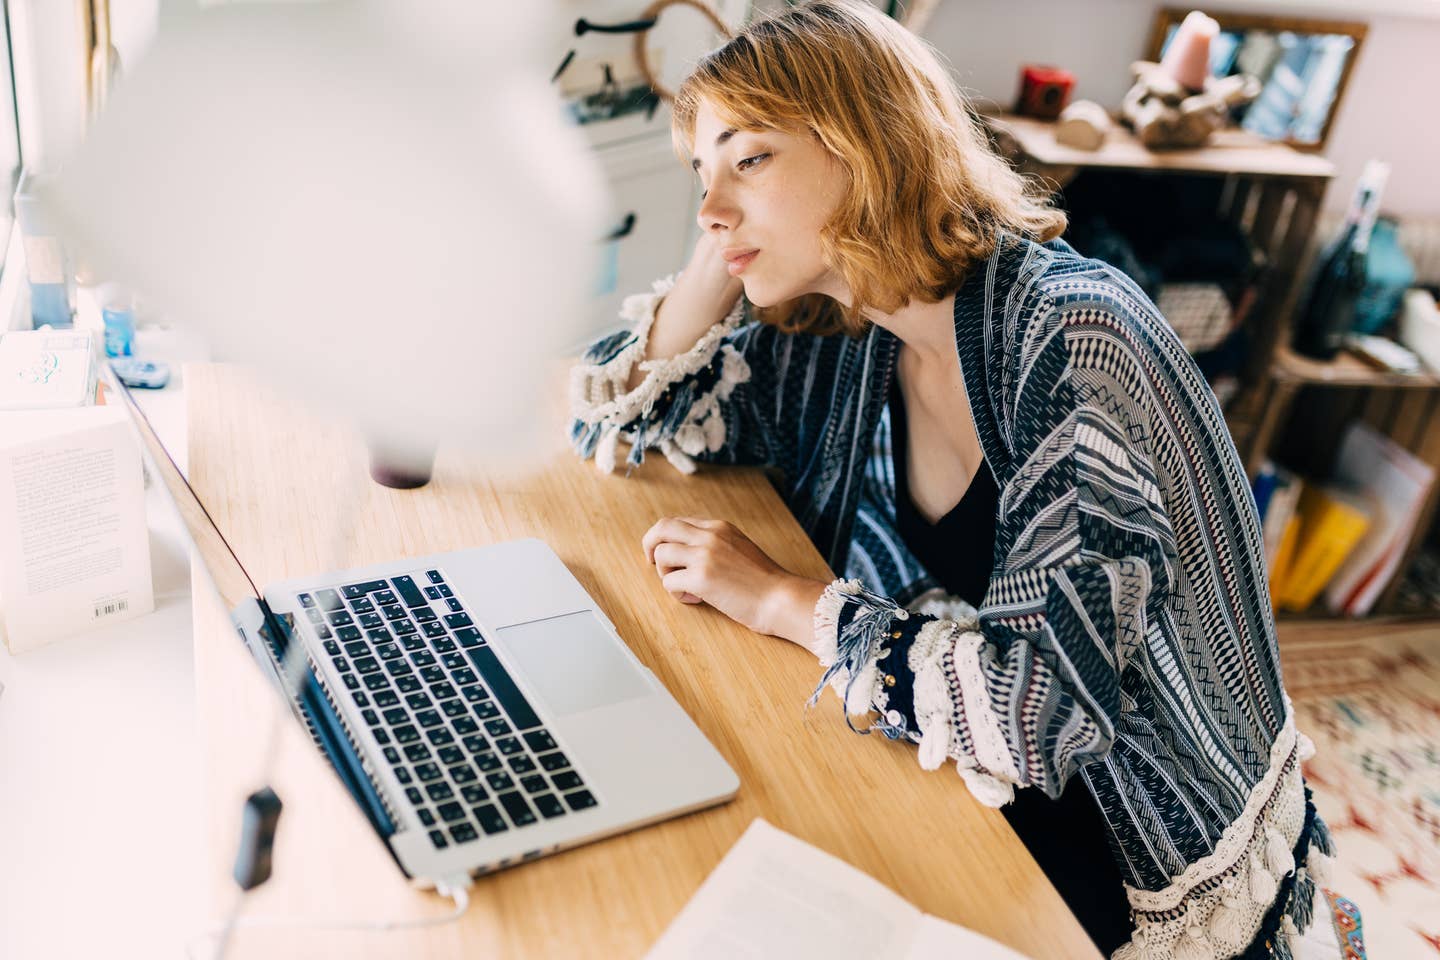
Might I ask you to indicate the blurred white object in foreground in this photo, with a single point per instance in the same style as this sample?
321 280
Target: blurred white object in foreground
377 204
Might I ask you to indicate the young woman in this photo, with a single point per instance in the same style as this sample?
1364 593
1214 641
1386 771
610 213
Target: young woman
1054 572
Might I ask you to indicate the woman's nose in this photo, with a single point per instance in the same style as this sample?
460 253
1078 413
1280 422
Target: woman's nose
715 212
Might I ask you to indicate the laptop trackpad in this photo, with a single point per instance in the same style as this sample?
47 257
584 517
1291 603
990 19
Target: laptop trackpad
573 663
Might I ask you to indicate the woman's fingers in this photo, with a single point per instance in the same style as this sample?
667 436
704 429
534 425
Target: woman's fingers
679 583
670 555
671 529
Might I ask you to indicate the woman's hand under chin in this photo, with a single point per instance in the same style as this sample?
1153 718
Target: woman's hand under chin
712 561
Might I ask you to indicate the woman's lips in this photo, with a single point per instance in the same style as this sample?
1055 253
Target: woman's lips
740 263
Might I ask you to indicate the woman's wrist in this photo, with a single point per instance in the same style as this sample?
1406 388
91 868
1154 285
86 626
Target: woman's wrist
791 609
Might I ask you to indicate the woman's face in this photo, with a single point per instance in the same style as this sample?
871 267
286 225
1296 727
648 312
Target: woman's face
772 192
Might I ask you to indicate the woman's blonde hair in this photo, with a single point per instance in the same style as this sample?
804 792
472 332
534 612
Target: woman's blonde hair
928 196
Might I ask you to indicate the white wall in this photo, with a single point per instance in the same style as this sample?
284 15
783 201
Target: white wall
1388 110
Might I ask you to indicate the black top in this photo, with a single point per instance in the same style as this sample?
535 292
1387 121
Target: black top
963 573
1067 837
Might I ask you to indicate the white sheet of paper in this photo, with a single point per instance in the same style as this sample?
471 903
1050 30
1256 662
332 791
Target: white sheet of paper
74 545
774 895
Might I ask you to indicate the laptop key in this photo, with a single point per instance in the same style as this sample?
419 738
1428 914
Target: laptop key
384 597
414 643
435 629
323 632
434 576
379 636
487 762
540 740
306 600
340 618
520 813
440 791
497 727
442 691
414 796
442 645
353 591
456 661
348 633
534 783
445 590
332 648
486 710
362 606
358 648
500 781
396 715
432 593
457 620
361 700
316 617
417 752
433 675
386 698
423 614
408 684
329 600
371 718
382 736
423 658
401 773
549 805
402 627
451 811
509 745
428 718
352 682
374 682
580 801
341 664
463 833
491 821
473 793
371 621
567 780
427 771
426 817
393 611
454 708
392 756
450 755
440 736
406 734
469 637
554 761
521 763
409 592
463 774
454 605
389 651
464 675
438 838
499 682
476 744
474 693
463 725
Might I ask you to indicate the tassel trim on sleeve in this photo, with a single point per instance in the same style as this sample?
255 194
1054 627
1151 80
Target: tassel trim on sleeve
675 409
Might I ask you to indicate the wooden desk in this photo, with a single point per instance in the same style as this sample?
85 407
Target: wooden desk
272 483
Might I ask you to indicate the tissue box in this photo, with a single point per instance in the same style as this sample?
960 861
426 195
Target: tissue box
74 544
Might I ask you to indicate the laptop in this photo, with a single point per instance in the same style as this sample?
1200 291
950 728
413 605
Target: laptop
478 705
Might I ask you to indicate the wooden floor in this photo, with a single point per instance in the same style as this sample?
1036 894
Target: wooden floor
1328 657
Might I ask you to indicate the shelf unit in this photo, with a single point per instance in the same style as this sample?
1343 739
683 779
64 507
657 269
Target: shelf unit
1288 402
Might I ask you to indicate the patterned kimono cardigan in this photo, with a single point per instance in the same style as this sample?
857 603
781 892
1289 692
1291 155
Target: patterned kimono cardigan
1126 636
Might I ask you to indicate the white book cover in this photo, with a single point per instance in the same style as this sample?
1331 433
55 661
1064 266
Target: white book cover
776 896
1396 481
44 369
74 544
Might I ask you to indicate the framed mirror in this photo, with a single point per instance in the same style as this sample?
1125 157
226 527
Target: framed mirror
1302 64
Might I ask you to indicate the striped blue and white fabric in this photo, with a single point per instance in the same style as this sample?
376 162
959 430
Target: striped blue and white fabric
1126 637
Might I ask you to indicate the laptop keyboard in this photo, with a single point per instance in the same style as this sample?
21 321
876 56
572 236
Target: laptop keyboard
470 752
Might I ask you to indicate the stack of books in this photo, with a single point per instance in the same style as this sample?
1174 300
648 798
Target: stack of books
1343 537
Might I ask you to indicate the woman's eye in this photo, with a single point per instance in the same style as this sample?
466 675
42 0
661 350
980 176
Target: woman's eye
751 161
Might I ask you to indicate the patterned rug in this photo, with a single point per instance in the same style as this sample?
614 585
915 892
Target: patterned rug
1372 706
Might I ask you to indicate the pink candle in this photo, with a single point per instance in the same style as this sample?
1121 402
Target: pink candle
1187 59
